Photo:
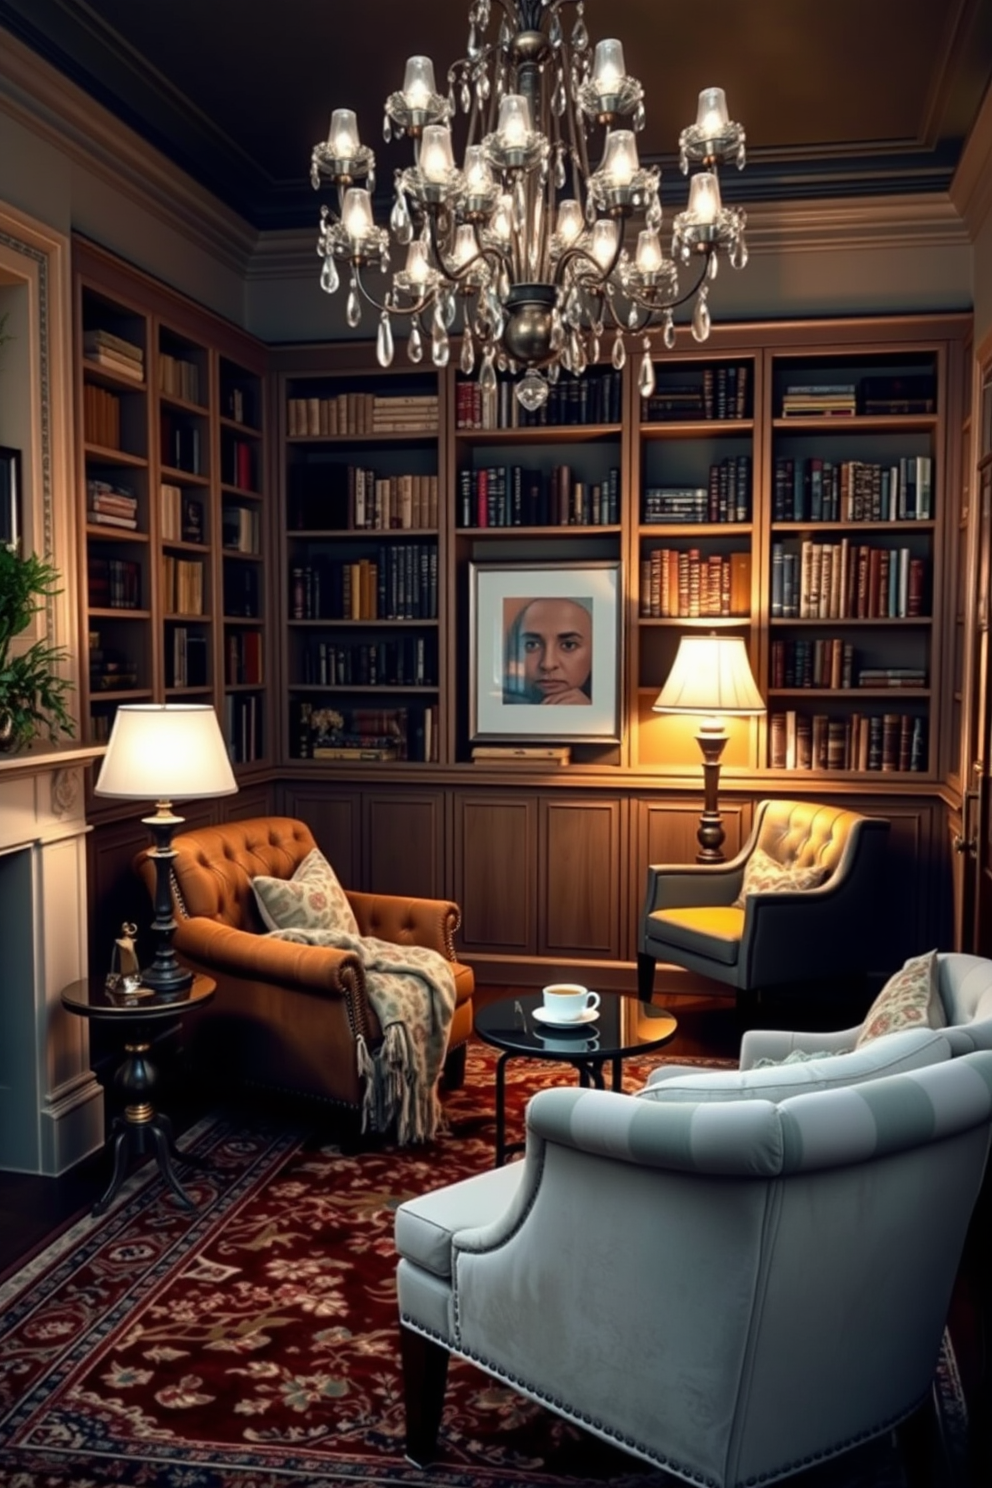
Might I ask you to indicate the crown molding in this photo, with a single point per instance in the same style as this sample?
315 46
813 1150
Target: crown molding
34 94
971 188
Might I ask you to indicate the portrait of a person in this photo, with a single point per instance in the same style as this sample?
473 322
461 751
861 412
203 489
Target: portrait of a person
549 652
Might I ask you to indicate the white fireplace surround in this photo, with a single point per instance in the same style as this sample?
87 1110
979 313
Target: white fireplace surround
51 1105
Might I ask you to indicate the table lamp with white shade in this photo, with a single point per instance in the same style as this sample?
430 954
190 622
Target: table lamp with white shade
164 752
711 675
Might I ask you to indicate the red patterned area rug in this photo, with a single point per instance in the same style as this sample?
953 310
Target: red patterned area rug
254 1343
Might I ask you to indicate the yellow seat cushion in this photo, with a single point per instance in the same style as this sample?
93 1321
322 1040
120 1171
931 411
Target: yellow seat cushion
708 930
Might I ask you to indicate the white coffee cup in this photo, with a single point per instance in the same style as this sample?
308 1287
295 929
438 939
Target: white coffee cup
565 1002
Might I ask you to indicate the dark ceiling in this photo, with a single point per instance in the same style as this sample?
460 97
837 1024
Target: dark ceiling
839 97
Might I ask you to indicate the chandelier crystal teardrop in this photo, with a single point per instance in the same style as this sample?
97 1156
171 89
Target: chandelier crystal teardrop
523 248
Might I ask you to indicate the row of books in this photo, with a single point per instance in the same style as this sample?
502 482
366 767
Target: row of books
186 658
823 490
402 733
114 353
113 583
111 670
727 497
362 413
512 496
243 658
398 661
111 505
680 582
181 446
816 399
594 398
178 378
182 581
181 515
717 392
243 717
875 394
238 464
400 583
239 405
356 498
830 662
241 529
859 741
846 581
101 417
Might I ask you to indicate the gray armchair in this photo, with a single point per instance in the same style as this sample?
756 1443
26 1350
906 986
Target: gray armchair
730 1291
690 917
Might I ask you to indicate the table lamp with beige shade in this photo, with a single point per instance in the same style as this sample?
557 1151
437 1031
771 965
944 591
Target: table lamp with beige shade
711 675
164 752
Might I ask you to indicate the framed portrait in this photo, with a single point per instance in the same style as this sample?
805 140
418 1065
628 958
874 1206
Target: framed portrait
545 651
10 496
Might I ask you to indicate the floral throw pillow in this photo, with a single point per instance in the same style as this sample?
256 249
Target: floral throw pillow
763 874
312 899
909 999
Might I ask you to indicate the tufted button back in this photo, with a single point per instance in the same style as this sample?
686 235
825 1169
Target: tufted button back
804 833
214 866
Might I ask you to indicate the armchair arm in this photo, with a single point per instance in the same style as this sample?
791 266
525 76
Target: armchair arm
685 885
777 1043
423 922
322 969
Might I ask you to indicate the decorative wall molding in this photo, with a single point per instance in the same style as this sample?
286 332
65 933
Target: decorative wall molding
47 103
971 188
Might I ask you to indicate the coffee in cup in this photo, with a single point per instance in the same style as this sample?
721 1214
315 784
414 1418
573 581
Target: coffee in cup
565 1002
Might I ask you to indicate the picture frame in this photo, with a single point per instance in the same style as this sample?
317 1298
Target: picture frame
11 513
545 651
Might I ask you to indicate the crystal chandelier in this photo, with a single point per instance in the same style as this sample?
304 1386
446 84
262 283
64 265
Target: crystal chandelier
524 242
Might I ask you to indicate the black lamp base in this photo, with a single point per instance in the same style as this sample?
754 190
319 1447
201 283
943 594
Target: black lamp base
710 834
164 976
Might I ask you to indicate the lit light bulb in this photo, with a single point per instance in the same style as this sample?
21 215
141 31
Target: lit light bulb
342 137
704 198
608 68
417 262
478 176
514 120
711 115
648 256
570 223
465 246
620 157
604 242
436 159
356 214
418 82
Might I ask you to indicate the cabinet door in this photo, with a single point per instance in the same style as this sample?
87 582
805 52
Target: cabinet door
581 878
402 835
495 873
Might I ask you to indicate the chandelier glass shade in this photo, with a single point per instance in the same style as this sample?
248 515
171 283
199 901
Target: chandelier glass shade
525 245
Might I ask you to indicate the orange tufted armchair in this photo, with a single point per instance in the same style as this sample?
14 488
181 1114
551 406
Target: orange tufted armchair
690 918
286 1016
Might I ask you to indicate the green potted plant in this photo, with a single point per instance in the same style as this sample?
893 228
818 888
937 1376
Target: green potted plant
32 694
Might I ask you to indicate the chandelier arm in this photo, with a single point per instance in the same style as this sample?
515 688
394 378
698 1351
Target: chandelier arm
672 304
488 254
602 275
387 306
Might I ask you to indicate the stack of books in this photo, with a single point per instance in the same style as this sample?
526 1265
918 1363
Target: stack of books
110 505
115 354
819 399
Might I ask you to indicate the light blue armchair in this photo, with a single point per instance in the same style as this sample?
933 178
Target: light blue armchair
731 1291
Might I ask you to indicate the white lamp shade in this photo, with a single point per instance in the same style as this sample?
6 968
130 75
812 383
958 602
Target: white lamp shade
710 674
166 752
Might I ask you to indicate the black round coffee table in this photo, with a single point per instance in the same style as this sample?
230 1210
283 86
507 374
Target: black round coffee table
625 1026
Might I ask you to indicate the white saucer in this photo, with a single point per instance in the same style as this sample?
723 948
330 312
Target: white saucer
588 1015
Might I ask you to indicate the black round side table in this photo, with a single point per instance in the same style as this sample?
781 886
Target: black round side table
142 1128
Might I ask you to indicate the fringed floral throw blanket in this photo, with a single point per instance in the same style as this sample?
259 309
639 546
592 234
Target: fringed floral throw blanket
412 990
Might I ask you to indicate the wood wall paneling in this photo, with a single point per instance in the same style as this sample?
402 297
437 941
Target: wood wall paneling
910 895
495 863
403 840
333 815
579 870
